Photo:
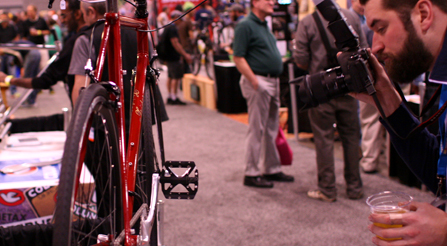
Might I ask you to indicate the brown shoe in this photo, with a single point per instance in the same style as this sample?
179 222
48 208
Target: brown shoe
316 194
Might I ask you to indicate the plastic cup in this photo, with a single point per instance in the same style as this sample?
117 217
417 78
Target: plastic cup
387 202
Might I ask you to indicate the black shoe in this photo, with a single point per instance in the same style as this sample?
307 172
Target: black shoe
170 101
280 177
257 181
178 102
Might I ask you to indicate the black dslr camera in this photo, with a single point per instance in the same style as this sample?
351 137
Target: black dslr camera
353 74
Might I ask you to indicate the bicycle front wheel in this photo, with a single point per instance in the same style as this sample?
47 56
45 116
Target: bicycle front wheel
89 203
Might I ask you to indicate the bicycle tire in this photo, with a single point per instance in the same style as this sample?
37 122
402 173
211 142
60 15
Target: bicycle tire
92 139
146 160
209 64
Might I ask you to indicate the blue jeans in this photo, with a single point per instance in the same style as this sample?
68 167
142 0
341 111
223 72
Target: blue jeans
31 63
31 67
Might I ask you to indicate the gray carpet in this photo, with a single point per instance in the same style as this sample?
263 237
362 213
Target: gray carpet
225 212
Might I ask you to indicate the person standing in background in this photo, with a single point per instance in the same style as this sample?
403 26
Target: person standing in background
8 31
8 34
35 27
358 9
162 19
52 18
82 50
236 13
170 38
73 19
185 34
56 34
203 16
311 54
186 27
373 133
258 60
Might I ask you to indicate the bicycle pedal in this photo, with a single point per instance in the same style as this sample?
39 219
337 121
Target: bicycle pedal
179 186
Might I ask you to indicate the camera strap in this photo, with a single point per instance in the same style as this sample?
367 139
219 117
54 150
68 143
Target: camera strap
434 117
424 124
431 101
331 53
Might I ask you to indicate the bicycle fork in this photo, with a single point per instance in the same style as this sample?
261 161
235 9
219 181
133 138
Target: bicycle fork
147 215
147 222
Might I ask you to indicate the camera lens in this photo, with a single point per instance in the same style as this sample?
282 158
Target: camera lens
319 88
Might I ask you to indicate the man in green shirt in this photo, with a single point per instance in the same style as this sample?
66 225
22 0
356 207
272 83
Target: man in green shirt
258 60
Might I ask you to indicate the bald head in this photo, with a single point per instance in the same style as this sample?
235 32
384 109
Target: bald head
31 12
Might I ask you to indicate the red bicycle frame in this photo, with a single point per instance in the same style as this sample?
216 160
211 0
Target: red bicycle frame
111 45
129 145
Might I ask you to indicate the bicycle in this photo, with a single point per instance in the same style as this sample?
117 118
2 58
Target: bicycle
109 182
223 37
203 53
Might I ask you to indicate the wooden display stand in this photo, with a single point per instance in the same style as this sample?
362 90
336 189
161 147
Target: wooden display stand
206 88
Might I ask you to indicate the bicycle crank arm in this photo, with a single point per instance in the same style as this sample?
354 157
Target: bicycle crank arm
189 180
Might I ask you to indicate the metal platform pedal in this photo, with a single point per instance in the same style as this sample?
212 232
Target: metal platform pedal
189 180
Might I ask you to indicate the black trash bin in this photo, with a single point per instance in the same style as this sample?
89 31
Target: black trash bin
229 95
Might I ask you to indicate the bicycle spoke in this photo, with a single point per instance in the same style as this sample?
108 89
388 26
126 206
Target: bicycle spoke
88 235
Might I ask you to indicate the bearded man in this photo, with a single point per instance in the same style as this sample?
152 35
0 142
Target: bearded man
410 37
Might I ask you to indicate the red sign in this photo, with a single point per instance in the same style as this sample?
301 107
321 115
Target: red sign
11 197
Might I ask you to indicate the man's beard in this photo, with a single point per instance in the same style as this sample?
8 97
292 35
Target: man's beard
412 61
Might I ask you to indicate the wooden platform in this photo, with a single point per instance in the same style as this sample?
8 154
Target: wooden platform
206 90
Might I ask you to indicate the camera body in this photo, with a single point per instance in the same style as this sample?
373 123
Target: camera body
352 74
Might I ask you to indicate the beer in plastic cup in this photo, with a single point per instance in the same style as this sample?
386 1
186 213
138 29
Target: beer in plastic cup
387 202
